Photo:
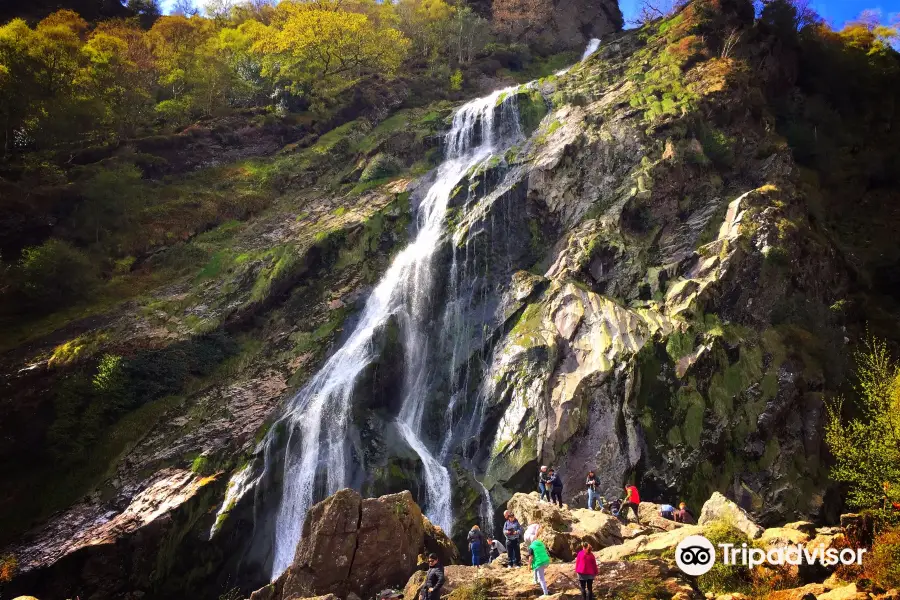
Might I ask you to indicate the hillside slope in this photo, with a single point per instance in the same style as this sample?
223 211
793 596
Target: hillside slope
658 281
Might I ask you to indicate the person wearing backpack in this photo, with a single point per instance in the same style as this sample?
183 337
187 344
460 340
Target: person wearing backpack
476 543
538 559
586 569
556 487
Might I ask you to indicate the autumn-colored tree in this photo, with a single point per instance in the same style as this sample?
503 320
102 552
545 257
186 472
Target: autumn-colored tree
318 50
517 19
129 78
868 34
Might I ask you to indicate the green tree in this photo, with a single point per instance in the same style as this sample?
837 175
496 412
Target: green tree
109 197
52 275
318 51
867 448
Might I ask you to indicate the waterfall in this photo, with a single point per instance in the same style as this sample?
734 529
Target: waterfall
403 293
592 46
486 510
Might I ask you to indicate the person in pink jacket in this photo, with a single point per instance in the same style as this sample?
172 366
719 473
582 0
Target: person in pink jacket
586 569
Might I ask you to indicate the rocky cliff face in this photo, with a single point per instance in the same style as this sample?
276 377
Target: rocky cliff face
643 286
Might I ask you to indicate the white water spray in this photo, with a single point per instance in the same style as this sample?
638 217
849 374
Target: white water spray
592 46
404 293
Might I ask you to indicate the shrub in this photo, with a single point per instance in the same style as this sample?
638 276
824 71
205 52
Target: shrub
882 562
724 578
8 566
53 274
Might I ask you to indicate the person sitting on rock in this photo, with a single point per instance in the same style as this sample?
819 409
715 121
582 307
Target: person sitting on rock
476 543
631 501
538 559
591 484
544 483
556 487
586 569
434 579
512 531
494 549
615 507
667 511
683 515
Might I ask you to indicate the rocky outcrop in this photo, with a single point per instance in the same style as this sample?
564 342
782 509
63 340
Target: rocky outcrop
621 579
437 541
654 544
355 545
720 508
132 552
563 529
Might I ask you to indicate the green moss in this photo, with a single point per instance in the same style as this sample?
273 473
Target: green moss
680 344
724 578
548 131
532 109
773 450
726 385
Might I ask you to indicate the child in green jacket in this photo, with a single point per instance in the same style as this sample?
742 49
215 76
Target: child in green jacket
539 558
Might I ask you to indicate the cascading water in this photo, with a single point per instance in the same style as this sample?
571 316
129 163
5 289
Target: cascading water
479 130
592 47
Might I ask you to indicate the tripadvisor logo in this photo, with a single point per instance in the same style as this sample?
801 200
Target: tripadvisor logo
696 555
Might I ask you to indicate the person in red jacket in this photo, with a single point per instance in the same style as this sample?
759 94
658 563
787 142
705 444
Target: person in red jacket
586 569
632 501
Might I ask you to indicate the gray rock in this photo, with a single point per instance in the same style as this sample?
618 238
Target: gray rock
720 508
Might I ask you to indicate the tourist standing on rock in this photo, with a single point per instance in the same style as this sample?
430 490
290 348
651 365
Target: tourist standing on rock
586 569
683 515
591 483
633 501
544 483
556 487
538 559
494 549
512 531
434 579
476 543
667 511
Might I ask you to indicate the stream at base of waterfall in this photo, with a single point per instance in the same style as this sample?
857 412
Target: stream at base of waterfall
317 418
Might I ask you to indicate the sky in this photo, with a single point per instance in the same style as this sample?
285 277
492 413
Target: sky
836 12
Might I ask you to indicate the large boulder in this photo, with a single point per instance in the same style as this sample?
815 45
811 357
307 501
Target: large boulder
352 545
437 541
563 530
779 537
656 544
649 515
720 508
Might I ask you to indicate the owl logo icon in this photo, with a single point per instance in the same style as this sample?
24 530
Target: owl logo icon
695 555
